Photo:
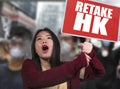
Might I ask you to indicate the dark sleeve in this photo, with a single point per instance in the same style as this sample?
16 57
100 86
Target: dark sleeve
95 69
33 78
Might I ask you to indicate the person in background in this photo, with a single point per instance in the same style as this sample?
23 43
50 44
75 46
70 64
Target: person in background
108 53
17 53
25 35
116 56
13 51
45 71
10 74
105 54
69 50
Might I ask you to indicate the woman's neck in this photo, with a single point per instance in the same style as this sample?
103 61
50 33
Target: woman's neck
45 64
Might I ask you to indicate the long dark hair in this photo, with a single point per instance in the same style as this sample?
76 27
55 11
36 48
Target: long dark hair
55 59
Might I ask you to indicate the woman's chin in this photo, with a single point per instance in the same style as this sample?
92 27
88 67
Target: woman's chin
45 57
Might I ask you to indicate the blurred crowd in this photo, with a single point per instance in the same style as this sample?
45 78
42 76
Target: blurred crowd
15 49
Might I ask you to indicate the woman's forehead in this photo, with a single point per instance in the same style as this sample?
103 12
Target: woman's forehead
43 33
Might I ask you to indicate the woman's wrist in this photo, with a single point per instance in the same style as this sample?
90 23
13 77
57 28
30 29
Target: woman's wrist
92 53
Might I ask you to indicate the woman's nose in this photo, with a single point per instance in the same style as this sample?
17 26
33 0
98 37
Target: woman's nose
44 41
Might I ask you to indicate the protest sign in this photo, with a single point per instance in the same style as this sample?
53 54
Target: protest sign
91 19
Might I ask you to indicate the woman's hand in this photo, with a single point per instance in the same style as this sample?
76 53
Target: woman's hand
86 47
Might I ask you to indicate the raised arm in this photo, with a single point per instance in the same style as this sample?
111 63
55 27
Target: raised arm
95 68
33 78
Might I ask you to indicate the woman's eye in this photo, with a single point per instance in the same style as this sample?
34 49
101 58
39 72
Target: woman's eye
49 37
39 38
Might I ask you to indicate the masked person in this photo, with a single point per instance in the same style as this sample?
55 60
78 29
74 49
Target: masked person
116 56
17 54
10 74
68 47
45 71
108 53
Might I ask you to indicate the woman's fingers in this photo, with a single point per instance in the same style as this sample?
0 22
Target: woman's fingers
86 47
88 58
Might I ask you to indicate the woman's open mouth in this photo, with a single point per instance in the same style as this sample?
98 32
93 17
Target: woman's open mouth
45 48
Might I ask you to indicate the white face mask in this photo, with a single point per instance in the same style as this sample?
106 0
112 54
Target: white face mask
16 52
104 52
